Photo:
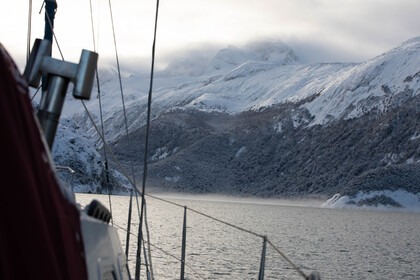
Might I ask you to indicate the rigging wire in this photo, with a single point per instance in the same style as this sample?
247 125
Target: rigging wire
102 135
179 205
28 42
124 110
52 30
150 244
28 38
283 255
114 157
120 84
146 263
146 224
165 252
100 112
207 216
36 92
142 193
149 105
288 260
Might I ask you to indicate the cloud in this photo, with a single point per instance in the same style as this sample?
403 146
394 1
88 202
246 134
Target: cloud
319 30
355 30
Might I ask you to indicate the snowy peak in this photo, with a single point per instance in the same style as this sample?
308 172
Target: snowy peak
198 63
410 45
262 75
374 85
275 52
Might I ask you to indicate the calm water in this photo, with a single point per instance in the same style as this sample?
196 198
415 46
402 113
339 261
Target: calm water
340 244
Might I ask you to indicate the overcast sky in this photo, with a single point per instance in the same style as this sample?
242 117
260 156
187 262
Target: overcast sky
317 30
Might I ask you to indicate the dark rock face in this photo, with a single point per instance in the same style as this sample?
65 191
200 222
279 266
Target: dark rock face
275 153
377 200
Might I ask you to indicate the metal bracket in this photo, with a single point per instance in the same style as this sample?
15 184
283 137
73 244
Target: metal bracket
58 74
81 75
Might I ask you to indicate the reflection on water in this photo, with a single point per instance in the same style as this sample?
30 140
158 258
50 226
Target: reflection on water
340 244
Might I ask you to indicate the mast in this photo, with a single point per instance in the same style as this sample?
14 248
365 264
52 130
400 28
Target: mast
50 10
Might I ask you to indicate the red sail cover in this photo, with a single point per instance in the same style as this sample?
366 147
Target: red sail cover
40 235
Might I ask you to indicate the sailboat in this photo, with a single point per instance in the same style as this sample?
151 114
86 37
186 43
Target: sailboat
45 233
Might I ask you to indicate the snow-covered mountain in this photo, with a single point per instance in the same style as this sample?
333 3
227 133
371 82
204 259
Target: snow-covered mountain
81 166
237 80
256 120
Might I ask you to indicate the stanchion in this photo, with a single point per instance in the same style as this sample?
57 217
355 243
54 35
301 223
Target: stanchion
262 263
127 240
184 240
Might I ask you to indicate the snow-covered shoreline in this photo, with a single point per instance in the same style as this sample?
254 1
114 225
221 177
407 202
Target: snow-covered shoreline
399 200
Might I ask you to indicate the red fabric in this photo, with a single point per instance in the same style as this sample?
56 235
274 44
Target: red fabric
40 235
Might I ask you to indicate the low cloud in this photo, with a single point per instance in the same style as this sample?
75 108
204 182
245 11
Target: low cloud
317 30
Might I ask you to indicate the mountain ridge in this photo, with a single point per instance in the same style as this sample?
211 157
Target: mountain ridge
268 117
253 85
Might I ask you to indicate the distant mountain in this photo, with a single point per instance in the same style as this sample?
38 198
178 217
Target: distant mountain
257 121
231 57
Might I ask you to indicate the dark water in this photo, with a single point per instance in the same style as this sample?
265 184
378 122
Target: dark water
339 244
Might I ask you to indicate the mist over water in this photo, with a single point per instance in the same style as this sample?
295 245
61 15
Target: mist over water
340 244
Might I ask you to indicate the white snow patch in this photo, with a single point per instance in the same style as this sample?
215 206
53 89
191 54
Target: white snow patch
172 179
411 160
160 153
278 127
240 151
391 158
72 146
415 136
298 120
410 202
